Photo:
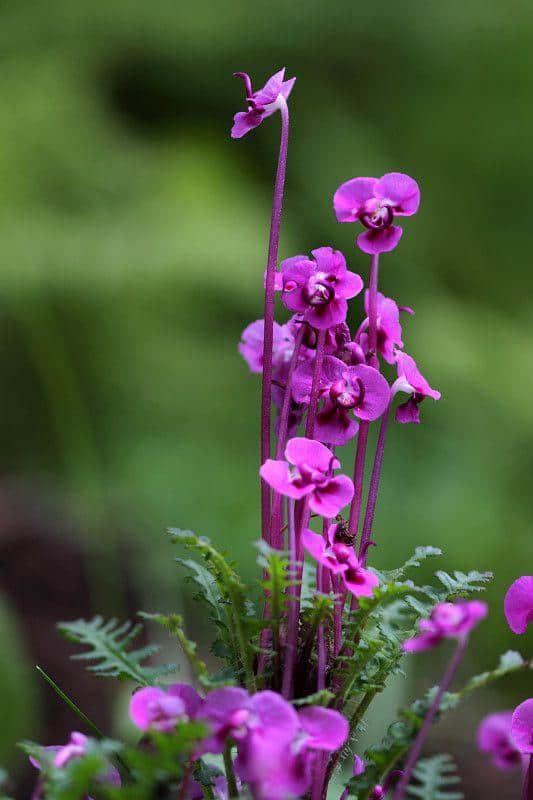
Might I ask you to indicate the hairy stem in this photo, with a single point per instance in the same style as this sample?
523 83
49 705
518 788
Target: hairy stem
230 775
372 311
420 740
266 386
374 486
358 475
315 386
294 610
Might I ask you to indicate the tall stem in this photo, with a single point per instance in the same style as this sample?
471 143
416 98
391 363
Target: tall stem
358 475
420 740
266 387
527 791
373 311
230 775
374 485
294 610
315 386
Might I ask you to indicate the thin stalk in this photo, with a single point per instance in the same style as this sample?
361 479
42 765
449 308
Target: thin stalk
527 791
294 610
315 386
372 311
374 486
230 775
340 597
185 781
422 735
272 258
358 475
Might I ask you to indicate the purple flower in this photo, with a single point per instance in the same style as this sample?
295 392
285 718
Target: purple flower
323 729
447 621
522 727
261 104
361 389
518 604
494 736
341 560
412 381
162 709
319 288
389 329
251 345
375 203
310 476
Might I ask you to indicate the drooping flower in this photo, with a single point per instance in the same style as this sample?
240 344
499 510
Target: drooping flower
359 767
412 381
389 329
341 560
310 476
261 104
518 604
447 621
375 203
162 709
319 288
522 727
494 736
361 389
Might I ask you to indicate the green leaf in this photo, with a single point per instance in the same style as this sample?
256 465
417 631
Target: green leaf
321 698
108 644
509 662
435 779
420 555
462 584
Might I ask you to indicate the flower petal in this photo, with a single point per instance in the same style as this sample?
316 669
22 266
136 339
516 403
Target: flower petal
300 450
351 196
376 394
518 604
329 499
522 726
277 475
379 241
327 729
401 190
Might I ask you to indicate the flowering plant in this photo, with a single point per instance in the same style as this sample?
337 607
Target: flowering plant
305 653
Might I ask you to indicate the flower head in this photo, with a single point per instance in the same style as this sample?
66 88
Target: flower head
389 329
341 560
162 709
494 736
261 104
361 390
410 380
251 345
318 288
375 203
76 747
518 604
447 621
310 476
522 727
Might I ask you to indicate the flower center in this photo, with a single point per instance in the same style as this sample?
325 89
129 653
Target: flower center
346 395
317 291
378 219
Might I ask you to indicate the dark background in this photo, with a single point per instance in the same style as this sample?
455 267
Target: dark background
133 239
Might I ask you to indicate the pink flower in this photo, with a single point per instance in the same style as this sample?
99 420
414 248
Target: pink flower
375 203
494 737
251 345
319 288
261 104
310 476
447 621
361 390
412 381
162 709
522 727
76 747
341 560
389 329
518 604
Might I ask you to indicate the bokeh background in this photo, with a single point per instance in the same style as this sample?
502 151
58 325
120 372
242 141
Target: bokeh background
133 236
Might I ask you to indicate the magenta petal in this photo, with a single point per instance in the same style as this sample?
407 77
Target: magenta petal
275 713
350 198
407 368
326 729
286 87
141 704
269 93
190 697
374 242
401 190
423 642
518 604
329 499
313 454
245 121
327 316
315 545
494 737
335 425
408 412
329 260
360 582
376 394
349 285
522 726
277 475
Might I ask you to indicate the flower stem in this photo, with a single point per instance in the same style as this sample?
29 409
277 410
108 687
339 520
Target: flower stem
420 740
230 775
266 387
294 610
372 311
358 474
315 386
374 486
527 791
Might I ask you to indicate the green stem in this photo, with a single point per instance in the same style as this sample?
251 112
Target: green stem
230 775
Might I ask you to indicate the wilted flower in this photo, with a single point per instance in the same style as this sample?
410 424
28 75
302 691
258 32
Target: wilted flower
412 381
261 104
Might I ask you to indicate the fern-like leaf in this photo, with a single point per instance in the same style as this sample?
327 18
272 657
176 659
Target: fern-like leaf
109 644
435 779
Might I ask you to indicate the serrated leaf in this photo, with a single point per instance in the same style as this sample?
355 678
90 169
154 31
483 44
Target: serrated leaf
433 779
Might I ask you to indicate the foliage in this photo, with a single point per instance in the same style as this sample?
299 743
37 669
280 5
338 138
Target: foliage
436 779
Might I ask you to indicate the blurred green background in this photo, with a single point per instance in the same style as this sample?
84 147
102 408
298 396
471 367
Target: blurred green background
133 241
